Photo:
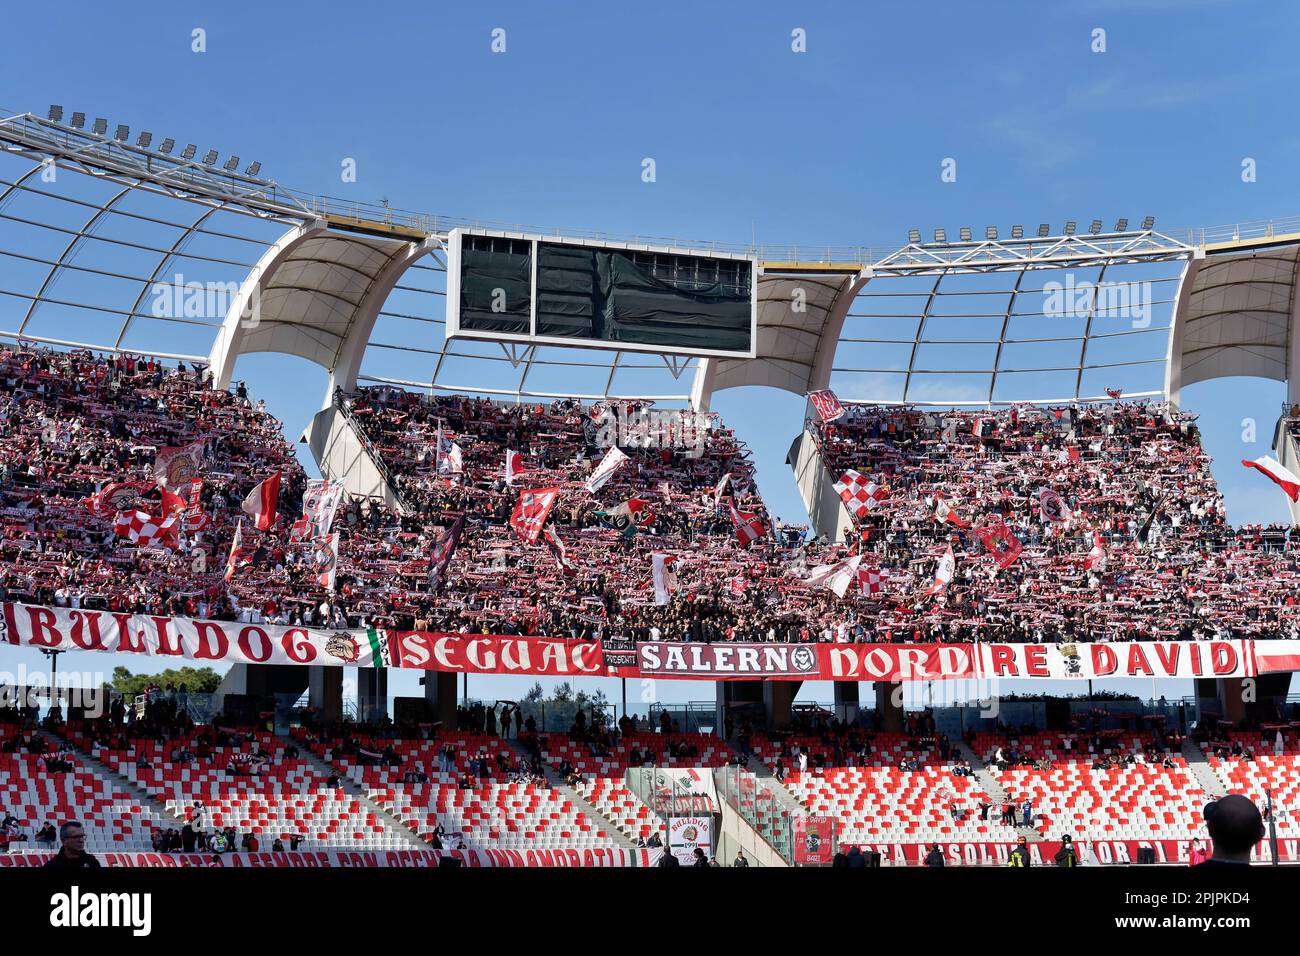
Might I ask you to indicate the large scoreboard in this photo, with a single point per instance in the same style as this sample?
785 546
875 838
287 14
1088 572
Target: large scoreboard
511 287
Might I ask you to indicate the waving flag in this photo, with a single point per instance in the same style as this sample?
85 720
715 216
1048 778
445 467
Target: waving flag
871 581
1051 506
236 546
665 581
629 516
116 496
557 548
1114 392
174 467
320 502
749 526
720 488
944 514
514 466
1278 474
261 503
859 494
827 405
1096 560
325 562
943 573
837 577
1001 543
531 512
443 549
146 531
609 464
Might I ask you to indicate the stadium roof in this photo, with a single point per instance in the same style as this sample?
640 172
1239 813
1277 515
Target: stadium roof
146 248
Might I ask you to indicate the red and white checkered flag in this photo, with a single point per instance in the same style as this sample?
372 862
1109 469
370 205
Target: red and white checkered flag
144 530
859 493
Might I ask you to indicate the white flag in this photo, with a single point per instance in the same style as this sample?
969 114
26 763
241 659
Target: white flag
608 465
836 576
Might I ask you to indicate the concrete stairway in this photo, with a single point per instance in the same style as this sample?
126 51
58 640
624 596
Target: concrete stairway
1202 771
354 788
988 782
609 826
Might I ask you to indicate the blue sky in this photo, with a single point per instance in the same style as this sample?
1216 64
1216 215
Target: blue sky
841 144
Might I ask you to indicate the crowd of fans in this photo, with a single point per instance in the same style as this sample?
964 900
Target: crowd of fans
1131 482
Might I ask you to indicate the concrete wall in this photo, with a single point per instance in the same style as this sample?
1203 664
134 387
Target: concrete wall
736 833
826 511
343 457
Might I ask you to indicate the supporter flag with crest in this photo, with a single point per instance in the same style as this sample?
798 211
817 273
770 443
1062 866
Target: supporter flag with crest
663 576
1001 543
531 511
325 562
514 466
828 407
859 494
1096 560
1052 506
116 496
749 526
945 514
837 577
261 503
236 549
174 467
629 516
943 573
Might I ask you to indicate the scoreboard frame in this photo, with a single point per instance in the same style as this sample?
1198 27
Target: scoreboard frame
454 330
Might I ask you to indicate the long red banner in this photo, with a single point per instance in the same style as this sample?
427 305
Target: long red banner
298 859
79 629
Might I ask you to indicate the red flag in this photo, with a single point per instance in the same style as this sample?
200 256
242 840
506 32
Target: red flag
144 530
943 573
859 494
871 581
1001 543
531 511
261 502
749 526
557 547
514 466
1073 452
1279 474
827 405
443 549
1097 556
1114 392
944 513
235 545
116 496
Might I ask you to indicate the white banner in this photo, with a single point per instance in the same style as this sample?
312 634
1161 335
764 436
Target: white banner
687 833
608 465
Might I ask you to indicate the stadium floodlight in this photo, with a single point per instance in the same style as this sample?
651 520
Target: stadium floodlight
167 146
188 152
56 113
940 236
913 236
1017 232
964 233
1094 227
78 120
230 164
100 127
1070 226
1121 225
256 167
991 232
144 139
1044 230
1148 223
122 133
209 157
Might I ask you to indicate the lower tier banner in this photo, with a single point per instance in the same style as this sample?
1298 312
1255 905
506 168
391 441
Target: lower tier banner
80 629
1089 852
298 859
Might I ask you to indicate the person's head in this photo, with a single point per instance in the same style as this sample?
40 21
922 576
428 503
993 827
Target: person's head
1067 839
1021 841
1235 826
73 837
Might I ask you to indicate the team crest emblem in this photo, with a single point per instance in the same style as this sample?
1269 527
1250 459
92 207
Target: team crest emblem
803 659
1073 662
344 647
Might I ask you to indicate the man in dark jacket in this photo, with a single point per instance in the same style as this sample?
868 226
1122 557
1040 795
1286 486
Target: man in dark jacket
1066 855
667 860
1019 856
1235 827
700 858
73 855
934 857
856 859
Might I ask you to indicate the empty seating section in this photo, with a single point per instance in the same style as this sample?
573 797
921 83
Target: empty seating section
1266 771
1141 800
502 808
114 818
878 801
287 796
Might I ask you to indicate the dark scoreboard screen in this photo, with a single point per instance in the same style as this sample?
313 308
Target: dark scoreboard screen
516 288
